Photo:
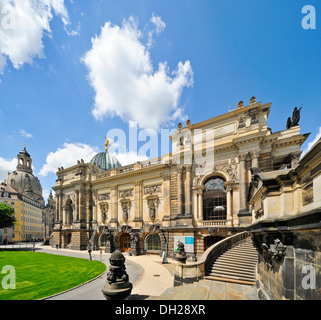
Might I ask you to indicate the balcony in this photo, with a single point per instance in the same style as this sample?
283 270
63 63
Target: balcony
215 223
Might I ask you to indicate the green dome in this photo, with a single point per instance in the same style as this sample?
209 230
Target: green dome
105 161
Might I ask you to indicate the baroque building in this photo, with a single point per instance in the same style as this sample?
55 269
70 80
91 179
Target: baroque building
22 190
198 194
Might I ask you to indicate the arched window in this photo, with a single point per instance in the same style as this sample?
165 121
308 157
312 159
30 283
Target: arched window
153 242
214 199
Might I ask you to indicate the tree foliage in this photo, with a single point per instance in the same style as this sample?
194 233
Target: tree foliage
7 218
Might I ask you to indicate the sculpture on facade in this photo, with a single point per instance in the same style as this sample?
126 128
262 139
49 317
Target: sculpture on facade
295 118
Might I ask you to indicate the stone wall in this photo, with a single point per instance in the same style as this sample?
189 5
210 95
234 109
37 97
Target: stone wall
289 269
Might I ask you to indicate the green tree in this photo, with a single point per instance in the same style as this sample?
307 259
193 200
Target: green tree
7 218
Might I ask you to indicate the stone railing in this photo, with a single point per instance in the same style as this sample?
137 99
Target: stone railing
193 272
210 223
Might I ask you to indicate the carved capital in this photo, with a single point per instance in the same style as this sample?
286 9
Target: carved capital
114 187
180 169
137 183
242 156
166 176
255 153
189 168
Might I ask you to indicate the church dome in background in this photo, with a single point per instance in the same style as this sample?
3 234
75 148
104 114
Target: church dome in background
23 178
105 160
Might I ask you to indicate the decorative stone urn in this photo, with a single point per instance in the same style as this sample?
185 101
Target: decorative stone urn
117 286
181 255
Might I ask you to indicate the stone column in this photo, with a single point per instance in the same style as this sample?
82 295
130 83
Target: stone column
64 218
179 191
88 196
200 203
195 204
167 196
114 204
81 206
255 158
188 191
77 205
243 181
138 201
95 209
57 218
229 204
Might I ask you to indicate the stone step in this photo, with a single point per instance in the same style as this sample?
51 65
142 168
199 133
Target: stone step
233 265
246 282
233 269
236 260
232 276
243 249
239 255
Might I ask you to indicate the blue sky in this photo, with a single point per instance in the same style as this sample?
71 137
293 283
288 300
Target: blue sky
156 62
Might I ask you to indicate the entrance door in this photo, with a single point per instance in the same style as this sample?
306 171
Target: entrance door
125 242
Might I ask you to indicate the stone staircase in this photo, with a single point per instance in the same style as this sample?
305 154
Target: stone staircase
236 265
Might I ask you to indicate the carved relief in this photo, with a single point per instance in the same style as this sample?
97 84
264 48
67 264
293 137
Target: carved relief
153 189
126 193
104 196
274 253
230 169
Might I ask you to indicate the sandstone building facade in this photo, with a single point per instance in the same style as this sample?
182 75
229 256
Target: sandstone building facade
197 194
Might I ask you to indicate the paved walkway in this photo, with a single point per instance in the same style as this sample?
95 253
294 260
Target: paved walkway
149 277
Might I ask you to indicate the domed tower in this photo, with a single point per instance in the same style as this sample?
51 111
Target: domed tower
23 178
24 161
105 160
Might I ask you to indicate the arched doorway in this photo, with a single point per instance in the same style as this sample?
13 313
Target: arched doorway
210 240
125 242
214 199
153 242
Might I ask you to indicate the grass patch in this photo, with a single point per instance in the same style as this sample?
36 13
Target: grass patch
39 275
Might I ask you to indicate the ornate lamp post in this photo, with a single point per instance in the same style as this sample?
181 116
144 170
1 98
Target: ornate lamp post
117 286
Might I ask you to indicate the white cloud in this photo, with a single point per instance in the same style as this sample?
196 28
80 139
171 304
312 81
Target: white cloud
70 153
67 156
25 134
23 25
157 21
312 143
125 84
6 166
129 157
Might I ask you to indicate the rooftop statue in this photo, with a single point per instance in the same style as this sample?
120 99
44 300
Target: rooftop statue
295 118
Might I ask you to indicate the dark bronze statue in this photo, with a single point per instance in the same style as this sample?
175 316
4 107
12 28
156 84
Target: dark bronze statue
295 118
